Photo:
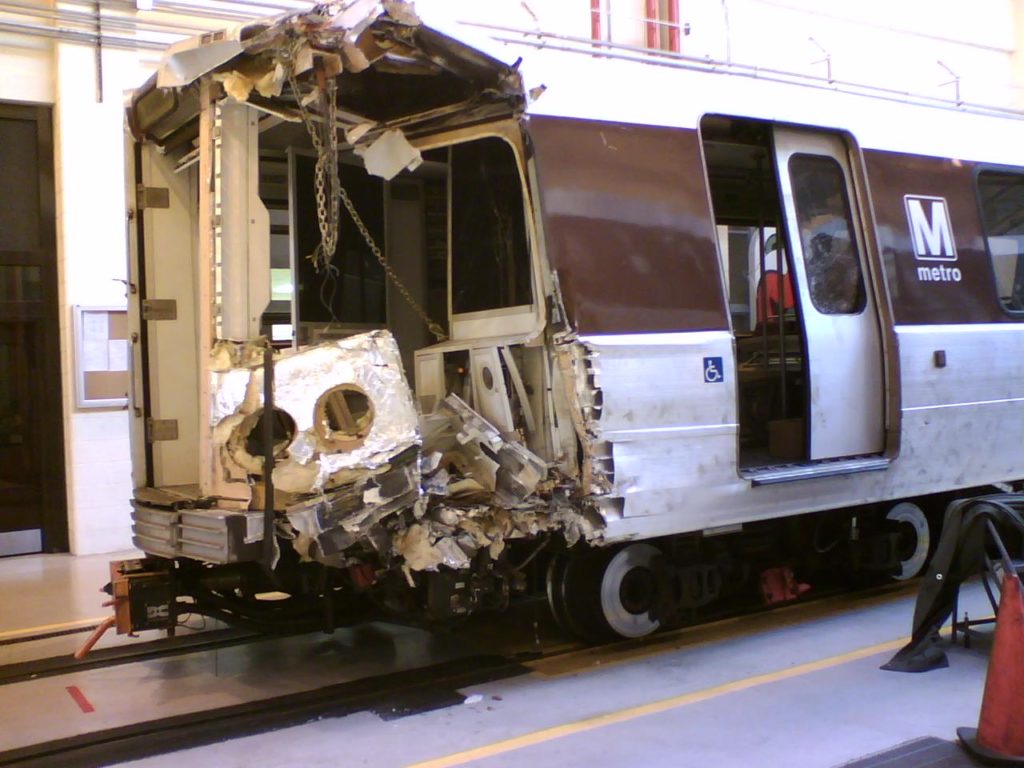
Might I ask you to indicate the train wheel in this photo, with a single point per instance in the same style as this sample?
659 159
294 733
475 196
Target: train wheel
915 538
601 595
555 588
629 590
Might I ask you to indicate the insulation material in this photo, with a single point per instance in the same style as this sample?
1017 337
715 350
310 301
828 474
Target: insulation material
389 155
266 77
348 400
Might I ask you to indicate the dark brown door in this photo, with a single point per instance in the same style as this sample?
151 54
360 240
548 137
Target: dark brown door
33 507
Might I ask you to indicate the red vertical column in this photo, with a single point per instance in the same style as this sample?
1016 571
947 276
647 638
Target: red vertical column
651 23
595 20
674 43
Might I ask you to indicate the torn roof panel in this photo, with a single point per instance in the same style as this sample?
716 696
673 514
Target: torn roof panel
377 30
390 69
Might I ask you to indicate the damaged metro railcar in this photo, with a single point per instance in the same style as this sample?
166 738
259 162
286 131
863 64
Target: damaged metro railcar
423 327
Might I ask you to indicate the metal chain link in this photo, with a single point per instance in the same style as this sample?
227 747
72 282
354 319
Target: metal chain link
329 218
433 327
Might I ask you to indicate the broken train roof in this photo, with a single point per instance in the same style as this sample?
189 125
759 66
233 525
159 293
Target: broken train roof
391 69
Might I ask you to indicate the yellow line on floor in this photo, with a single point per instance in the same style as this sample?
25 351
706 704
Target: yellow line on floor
653 708
571 662
46 629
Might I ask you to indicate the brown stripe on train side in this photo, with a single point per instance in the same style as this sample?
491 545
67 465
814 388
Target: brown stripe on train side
972 299
628 226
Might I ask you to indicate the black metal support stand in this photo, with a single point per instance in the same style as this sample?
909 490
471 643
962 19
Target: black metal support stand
268 458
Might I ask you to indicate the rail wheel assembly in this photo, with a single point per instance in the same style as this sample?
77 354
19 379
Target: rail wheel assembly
601 595
915 538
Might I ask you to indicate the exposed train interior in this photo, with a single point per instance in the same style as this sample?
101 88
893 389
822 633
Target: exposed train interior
453 232
756 264
792 256
452 229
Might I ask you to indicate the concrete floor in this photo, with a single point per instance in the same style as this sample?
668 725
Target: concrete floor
796 687
63 589
52 594
809 694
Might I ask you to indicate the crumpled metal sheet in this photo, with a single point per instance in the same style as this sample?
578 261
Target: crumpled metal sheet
440 500
371 361
483 490
478 456
338 28
326 525
452 536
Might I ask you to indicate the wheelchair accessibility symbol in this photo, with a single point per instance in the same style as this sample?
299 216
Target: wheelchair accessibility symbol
713 372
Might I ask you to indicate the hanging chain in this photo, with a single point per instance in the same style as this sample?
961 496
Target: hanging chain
433 327
329 191
327 212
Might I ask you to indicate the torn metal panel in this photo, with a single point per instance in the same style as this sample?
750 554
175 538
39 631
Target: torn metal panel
359 33
580 383
452 536
349 405
324 526
483 490
276 63
184 62
476 451
187 61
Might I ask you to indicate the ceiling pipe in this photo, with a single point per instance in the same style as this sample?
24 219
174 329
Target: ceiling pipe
74 36
122 23
93 26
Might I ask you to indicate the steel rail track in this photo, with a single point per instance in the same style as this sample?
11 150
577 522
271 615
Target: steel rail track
53 666
390 695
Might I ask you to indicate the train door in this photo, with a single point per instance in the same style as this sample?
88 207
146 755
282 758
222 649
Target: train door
841 335
33 512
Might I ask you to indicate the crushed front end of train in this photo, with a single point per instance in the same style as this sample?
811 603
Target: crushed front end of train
327 206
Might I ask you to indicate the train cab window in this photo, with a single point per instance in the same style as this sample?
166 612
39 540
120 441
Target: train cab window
1002 208
834 279
490 258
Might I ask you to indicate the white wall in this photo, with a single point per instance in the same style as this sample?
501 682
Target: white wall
1017 60
92 257
26 65
874 42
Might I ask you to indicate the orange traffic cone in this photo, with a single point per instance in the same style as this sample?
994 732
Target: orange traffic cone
999 737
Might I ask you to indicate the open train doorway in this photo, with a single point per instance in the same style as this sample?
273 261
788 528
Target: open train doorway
807 339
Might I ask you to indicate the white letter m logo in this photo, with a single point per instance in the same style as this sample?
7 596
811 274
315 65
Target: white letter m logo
930 230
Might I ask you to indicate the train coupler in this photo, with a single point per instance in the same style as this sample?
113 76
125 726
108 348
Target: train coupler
143 595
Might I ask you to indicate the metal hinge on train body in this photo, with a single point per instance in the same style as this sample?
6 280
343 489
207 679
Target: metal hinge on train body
152 197
159 309
161 429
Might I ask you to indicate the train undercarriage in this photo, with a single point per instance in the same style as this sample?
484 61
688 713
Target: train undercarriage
595 593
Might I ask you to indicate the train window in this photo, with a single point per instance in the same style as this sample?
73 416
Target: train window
490 258
830 255
1002 209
